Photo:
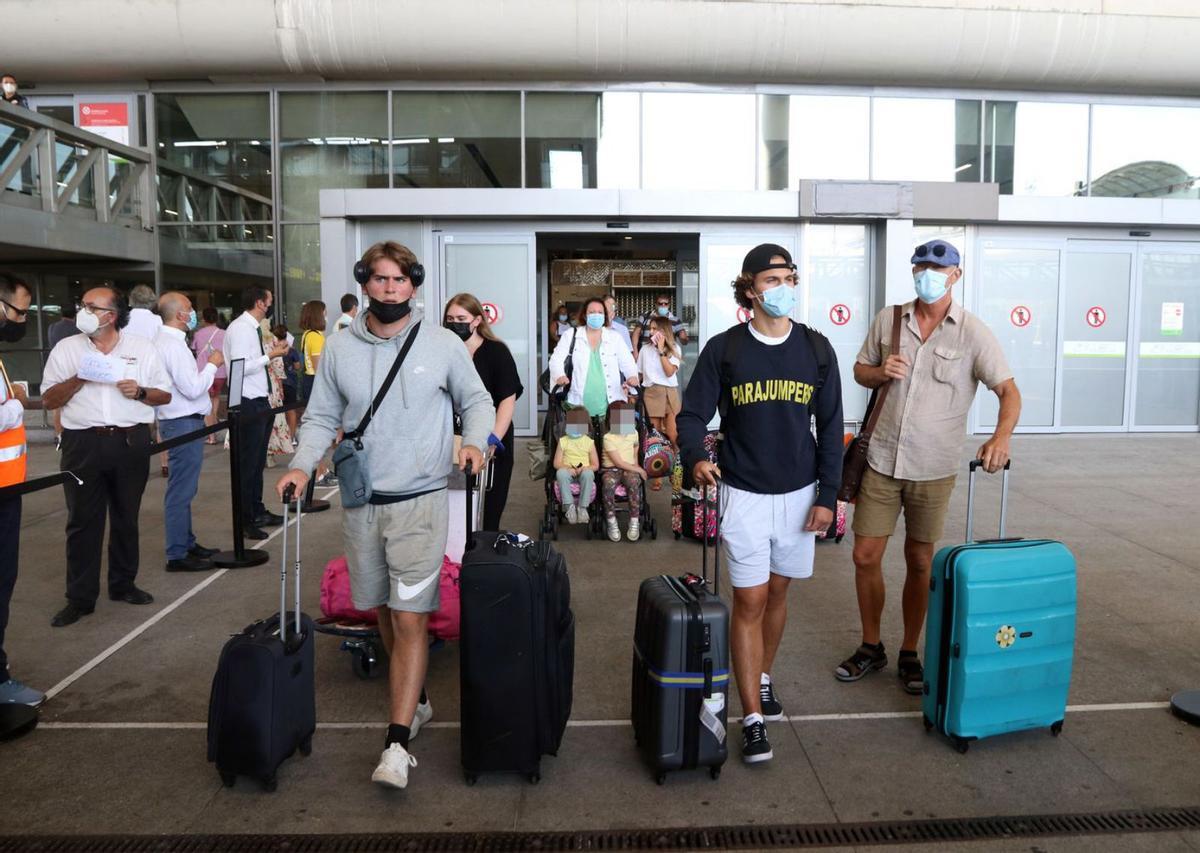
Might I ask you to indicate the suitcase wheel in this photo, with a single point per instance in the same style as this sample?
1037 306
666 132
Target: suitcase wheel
660 779
365 661
306 746
1056 728
470 778
962 744
228 779
677 535
714 773
534 777
270 784
928 723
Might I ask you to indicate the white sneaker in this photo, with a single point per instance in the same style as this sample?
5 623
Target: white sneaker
614 532
572 514
635 529
392 771
423 715
582 517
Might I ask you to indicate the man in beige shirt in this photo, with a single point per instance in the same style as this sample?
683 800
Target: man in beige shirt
945 352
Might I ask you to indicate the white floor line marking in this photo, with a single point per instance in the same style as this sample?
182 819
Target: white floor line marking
587 724
148 624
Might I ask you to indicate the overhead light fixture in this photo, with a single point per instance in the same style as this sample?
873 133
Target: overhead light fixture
963 167
627 237
445 140
200 143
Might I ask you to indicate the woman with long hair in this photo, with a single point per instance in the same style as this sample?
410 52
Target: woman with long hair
464 316
312 343
206 340
602 367
658 362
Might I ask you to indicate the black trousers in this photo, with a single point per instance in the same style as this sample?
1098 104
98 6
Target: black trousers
114 468
10 540
497 496
252 455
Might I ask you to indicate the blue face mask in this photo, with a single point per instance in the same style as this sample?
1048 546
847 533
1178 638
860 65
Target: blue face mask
930 285
779 301
562 318
663 310
192 321
595 321
623 427
574 430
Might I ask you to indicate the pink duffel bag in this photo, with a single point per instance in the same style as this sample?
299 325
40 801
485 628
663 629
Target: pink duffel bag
337 603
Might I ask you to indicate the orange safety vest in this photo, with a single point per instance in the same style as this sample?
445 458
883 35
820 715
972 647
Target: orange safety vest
12 445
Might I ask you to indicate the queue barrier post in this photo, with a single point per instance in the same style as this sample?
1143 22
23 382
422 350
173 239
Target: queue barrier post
240 557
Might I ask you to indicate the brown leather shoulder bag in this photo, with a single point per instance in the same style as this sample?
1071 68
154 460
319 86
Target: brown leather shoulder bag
854 465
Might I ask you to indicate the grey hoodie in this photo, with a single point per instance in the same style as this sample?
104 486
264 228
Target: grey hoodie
409 442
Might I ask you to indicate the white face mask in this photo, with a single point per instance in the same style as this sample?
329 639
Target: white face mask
88 323
10 89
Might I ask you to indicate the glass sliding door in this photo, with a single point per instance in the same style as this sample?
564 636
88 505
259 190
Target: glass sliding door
838 289
1096 292
1167 394
499 271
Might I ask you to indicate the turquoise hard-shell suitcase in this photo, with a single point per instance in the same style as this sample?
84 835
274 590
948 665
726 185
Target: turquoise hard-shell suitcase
1000 634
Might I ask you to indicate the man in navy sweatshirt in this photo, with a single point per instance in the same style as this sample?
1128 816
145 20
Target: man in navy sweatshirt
768 378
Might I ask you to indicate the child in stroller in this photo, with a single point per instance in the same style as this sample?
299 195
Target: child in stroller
622 468
576 461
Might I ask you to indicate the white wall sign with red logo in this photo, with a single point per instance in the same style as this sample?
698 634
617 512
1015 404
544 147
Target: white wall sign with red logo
1096 316
743 315
1021 316
494 312
107 119
839 314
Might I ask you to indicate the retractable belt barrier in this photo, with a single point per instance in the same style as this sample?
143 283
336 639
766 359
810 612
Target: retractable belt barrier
239 556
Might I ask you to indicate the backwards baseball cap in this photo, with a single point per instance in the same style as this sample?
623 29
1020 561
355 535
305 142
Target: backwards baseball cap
759 259
936 252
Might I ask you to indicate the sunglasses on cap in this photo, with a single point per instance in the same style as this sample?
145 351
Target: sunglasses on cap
937 251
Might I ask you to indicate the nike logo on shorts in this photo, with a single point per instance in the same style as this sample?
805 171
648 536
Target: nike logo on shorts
408 593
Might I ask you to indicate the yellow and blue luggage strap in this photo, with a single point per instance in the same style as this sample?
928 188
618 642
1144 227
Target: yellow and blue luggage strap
686 680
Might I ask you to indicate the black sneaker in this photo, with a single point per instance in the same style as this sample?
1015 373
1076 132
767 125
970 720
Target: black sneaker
772 708
755 746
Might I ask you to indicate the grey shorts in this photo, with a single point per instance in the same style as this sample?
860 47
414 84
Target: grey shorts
394 552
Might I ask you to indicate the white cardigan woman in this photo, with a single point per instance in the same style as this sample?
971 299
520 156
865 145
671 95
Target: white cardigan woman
615 359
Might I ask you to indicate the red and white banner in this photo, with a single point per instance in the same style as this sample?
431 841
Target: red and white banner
107 119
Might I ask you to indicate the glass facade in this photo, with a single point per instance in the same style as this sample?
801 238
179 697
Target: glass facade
225 136
1145 152
562 134
1035 148
698 141
925 139
457 139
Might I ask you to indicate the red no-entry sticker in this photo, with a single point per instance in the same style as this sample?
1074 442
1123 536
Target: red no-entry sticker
839 314
494 314
743 316
1020 316
1096 316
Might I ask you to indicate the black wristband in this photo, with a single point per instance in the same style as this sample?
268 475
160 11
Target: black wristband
141 394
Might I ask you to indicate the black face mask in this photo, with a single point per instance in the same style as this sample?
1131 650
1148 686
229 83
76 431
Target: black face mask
389 312
463 330
12 332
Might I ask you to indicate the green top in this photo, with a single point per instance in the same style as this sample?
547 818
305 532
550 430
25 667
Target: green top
595 387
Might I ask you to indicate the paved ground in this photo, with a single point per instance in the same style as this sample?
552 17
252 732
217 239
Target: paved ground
121 745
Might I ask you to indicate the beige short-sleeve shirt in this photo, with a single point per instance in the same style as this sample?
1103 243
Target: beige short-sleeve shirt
923 424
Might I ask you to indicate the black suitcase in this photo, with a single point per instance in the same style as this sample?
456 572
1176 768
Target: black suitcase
263 702
517 653
678 701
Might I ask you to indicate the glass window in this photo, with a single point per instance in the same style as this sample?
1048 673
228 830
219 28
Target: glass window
619 155
302 272
329 139
925 139
839 300
1168 366
561 135
1035 148
225 136
813 137
694 141
457 139
1145 152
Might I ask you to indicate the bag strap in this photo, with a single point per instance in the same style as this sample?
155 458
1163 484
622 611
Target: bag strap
821 349
387 384
875 406
569 361
734 336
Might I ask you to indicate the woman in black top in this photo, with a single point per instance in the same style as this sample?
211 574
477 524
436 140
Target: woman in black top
465 317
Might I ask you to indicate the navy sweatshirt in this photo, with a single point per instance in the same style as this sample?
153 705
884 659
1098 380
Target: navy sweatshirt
768 445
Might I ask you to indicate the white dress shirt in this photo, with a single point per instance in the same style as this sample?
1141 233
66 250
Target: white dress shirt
189 386
615 358
12 413
99 403
144 323
243 340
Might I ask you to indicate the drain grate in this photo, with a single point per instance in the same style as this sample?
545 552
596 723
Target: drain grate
781 837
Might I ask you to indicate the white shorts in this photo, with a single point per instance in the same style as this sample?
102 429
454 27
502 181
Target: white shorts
764 534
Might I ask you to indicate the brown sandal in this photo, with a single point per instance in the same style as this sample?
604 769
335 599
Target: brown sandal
864 661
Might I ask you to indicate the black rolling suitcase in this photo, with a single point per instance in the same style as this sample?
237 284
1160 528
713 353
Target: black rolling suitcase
678 704
263 702
517 653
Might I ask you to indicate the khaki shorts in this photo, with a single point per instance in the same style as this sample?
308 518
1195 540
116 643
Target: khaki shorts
394 552
661 399
881 497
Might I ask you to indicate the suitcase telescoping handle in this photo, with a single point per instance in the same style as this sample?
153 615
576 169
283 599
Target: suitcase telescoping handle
480 480
975 465
289 495
716 505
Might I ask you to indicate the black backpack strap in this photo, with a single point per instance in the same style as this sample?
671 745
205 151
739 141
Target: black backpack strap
734 336
822 349
386 386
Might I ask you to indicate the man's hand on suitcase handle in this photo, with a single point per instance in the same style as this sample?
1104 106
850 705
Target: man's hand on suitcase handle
993 455
706 473
819 518
472 456
294 479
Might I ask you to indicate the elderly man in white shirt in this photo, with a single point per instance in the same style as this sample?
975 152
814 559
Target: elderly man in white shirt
243 340
143 322
106 382
185 413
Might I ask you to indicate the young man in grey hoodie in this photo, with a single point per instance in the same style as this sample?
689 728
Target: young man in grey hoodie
395 543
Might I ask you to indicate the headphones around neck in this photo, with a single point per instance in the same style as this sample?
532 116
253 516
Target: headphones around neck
362 273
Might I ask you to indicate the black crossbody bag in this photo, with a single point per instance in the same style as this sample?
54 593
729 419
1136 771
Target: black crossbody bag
350 456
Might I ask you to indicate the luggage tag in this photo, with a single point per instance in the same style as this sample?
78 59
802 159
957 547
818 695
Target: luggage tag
710 715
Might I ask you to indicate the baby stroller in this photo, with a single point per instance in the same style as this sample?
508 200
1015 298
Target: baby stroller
648 524
552 430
